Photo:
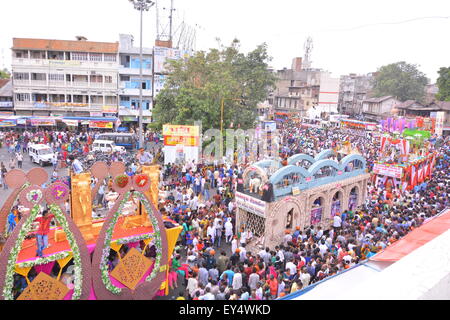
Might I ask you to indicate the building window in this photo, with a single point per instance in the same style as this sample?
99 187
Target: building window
95 57
21 54
38 76
110 100
22 97
21 76
56 77
80 56
108 79
96 79
38 55
110 57
54 55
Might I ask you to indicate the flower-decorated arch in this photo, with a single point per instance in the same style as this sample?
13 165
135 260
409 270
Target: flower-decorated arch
104 288
32 197
352 157
325 154
254 169
300 157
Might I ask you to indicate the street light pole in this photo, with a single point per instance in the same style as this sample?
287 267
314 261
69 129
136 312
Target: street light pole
141 5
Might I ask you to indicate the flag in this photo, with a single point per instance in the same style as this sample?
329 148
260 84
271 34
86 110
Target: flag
413 176
383 143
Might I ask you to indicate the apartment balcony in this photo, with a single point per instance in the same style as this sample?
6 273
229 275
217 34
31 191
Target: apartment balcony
127 88
134 71
21 62
57 106
80 84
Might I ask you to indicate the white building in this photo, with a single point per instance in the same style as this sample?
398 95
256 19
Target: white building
65 78
129 72
328 96
354 89
379 108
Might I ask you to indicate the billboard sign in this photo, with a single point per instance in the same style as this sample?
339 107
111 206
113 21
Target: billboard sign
390 171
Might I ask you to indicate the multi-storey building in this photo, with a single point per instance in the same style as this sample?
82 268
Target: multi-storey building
61 77
6 97
129 73
354 89
376 109
297 89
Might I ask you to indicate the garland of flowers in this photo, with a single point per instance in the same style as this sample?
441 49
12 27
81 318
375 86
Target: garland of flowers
107 247
135 238
14 253
78 283
156 234
40 261
122 180
107 244
26 185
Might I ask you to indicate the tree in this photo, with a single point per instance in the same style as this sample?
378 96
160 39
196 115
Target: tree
401 80
443 83
4 74
196 87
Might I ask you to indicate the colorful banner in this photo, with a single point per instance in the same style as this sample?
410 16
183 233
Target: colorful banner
161 55
181 131
178 140
101 125
7 123
316 215
6 104
130 119
389 171
159 82
251 204
110 109
71 123
439 126
43 122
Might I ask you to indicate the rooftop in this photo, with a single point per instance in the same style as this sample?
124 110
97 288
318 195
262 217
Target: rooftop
65 45
378 100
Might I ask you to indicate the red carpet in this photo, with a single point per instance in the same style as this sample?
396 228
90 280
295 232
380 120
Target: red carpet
29 247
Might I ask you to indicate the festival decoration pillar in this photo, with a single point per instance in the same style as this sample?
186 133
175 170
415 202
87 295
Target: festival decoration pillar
81 203
153 173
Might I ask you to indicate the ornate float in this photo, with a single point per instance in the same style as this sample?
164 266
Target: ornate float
123 255
306 191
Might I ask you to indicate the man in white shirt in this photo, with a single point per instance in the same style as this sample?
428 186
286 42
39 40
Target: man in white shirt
253 279
234 245
76 165
337 221
291 266
242 253
237 279
323 247
305 277
228 230
208 295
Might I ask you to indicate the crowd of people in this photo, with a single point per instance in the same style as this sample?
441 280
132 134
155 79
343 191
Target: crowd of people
216 264
213 259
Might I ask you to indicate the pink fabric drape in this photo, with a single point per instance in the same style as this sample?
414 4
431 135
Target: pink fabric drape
46 268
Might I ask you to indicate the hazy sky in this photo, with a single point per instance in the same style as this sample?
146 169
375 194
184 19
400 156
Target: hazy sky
350 36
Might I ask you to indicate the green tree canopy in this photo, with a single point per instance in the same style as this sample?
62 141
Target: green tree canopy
401 80
196 87
4 74
443 83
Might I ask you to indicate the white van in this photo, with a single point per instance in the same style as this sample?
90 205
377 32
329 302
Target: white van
107 146
41 154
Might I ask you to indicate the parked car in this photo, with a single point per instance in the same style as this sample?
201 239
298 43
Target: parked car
107 146
41 154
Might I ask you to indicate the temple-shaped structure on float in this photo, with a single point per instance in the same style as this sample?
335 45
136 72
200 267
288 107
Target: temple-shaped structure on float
300 192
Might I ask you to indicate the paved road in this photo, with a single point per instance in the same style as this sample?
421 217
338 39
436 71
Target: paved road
26 166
